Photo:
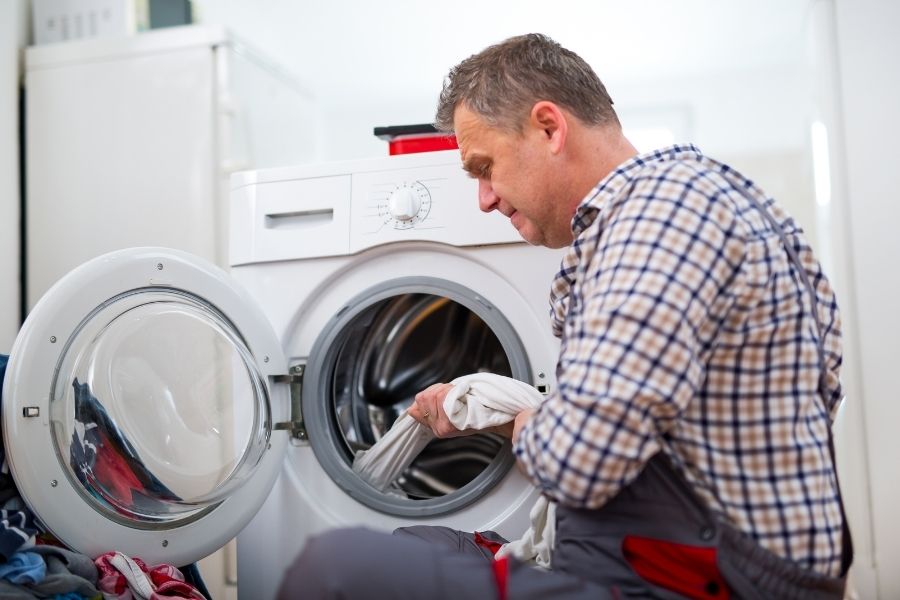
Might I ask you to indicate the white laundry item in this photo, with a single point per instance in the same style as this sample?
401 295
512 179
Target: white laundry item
537 543
476 401
138 582
381 464
483 400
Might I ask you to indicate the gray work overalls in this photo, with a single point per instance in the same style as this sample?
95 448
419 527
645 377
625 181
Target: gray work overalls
654 532
655 539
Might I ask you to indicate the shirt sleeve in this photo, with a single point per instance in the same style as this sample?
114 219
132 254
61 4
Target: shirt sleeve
641 317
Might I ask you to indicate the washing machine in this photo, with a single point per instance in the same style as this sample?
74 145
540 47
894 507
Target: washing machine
156 405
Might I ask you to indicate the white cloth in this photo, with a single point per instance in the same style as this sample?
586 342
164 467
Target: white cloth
483 400
476 401
381 464
537 543
138 582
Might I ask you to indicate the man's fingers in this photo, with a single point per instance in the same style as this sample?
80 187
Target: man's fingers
427 407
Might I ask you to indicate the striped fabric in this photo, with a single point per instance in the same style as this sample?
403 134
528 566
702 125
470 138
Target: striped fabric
685 327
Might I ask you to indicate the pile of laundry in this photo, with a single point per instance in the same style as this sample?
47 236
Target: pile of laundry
33 564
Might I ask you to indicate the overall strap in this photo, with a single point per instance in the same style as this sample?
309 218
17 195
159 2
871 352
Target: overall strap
847 541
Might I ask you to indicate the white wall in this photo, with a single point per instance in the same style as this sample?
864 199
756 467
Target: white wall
382 63
870 94
756 119
13 21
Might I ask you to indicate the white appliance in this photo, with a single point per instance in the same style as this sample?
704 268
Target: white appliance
157 405
381 277
130 141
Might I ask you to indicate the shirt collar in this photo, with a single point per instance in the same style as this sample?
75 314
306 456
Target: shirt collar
613 184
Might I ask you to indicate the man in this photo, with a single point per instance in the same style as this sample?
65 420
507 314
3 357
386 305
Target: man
688 445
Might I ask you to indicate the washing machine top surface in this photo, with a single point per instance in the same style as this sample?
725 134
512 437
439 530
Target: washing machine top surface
138 414
345 167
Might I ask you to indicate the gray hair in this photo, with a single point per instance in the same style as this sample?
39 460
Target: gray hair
502 82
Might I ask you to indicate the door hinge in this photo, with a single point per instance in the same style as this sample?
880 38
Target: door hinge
295 426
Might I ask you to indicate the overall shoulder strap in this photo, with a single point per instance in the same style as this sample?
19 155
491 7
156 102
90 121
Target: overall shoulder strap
847 541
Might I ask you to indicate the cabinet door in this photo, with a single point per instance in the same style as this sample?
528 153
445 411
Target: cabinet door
119 154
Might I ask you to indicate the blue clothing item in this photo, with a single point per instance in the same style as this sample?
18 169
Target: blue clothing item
16 521
24 567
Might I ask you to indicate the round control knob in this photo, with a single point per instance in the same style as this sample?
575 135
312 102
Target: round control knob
404 204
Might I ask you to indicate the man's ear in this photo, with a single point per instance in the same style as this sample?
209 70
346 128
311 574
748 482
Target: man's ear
549 120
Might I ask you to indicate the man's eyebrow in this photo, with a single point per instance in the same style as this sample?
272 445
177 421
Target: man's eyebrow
475 163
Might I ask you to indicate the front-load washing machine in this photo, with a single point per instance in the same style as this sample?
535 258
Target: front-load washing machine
158 406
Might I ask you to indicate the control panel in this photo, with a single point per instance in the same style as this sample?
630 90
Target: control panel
335 209
428 203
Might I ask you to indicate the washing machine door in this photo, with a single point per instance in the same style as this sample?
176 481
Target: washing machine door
139 405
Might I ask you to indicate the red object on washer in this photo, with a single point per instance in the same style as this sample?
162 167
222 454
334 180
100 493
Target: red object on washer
422 144
409 139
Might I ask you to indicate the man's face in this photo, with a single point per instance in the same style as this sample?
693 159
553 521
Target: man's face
515 176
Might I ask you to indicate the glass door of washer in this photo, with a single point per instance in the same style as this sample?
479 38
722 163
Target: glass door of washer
141 400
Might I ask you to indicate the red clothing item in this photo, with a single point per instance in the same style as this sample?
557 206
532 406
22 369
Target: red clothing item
114 473
689 570
124 578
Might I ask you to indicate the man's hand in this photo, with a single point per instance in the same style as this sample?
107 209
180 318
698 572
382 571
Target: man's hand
521 418
428 409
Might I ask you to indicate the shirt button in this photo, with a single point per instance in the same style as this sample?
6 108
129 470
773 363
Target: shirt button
707 533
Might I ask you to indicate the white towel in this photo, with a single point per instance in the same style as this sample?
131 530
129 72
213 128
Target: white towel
476 401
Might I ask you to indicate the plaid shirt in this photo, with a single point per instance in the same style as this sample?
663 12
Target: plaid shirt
686 328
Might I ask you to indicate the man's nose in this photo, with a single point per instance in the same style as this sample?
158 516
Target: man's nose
487 199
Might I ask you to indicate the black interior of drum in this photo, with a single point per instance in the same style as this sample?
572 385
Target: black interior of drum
396 348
